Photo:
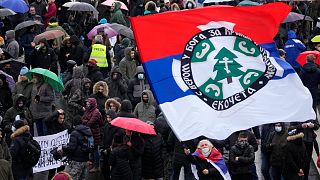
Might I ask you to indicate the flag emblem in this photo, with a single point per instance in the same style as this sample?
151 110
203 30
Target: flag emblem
223 67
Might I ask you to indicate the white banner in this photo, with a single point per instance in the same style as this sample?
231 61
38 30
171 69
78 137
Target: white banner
48 143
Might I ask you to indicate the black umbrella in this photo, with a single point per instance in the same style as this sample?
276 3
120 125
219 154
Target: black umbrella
16 65
6 12
123 30
27 24
83 7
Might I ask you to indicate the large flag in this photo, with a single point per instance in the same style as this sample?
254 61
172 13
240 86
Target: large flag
210 73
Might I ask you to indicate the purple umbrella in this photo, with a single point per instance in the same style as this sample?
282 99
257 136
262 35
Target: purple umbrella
292 17
9 80
107 30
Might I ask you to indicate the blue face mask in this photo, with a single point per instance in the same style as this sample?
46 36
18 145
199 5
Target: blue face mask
278 128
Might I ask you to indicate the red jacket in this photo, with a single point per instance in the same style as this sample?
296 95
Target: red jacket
318 161
52 11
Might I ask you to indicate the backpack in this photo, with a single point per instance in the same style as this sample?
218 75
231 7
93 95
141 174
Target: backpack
87 144
32 153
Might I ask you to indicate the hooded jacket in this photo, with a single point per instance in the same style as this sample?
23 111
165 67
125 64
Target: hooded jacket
126 109
120 167
75 83
101 98
119 49
39 6
24 88
127 65
93 119
115 102
310 77
73 148
293 48
246 159
26 39
77 52
137 86
117 16
12 112
12 44
109 131
146 111
43 58
276 144
18 145
53 125
118 87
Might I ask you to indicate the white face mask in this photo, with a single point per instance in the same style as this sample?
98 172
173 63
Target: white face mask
141 76
278 129
13 129
206 151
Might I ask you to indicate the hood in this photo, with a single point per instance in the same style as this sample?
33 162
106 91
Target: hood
112 100
139 69
111 113
190 4
20 131
77 73
10 34
70 64
127 52
93 103
19 97
116 69
53 24
150 96
117 6
292 35
84 130
310 67
86 80
126 42
105 88
126 106
296 136
74 40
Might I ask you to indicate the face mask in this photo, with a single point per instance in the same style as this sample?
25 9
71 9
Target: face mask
278 129
243 144
140 76
206 151
13 129
189 6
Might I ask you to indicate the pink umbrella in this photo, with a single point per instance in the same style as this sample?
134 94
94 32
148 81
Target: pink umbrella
107 30
110 2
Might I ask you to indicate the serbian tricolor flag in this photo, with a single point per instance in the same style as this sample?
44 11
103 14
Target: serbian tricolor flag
216 160
214 70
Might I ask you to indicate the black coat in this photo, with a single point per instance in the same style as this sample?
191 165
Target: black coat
53 125
136 151
42 59
117 87
5 100
152 158
119 161
233 138
73 148
276 147
295 159
109 132
174 145
246 159
310 77
95 75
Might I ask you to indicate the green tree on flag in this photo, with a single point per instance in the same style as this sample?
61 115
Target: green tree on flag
226 66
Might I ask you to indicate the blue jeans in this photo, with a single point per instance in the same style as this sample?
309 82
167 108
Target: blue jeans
41 127
265 166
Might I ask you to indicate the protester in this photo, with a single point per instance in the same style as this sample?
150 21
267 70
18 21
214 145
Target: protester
93 119
12 45
276 145
5 95
203 157
126 109
123 43
94 73
53 24
26 41
117 16
74 83
266 130
68 72
100 93
51 11
43 56
128 64
166 6
295 156
5 160
145 109
112 104
117 84
77 50
137 85
40 7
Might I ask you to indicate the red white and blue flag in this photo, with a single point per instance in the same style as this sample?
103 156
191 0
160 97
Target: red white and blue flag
213 70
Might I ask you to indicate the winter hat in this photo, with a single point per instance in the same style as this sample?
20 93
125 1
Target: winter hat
92 62
19 123
103 21
24 70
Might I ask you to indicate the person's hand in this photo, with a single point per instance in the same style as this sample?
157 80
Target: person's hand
67 55
129 144
237 158
304 125
205 171
33 44
300 173
186 151
60 111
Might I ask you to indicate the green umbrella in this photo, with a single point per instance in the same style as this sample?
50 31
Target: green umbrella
49 77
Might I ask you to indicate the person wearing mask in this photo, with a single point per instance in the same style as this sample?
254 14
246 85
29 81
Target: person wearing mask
112 104
23 86
109 132
241 157
295 156
43 56
276 144
100 93
100 53
128 64
93 119
117 84
137 85
145 109
94 73
42 98
12 45
203 158
293 47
